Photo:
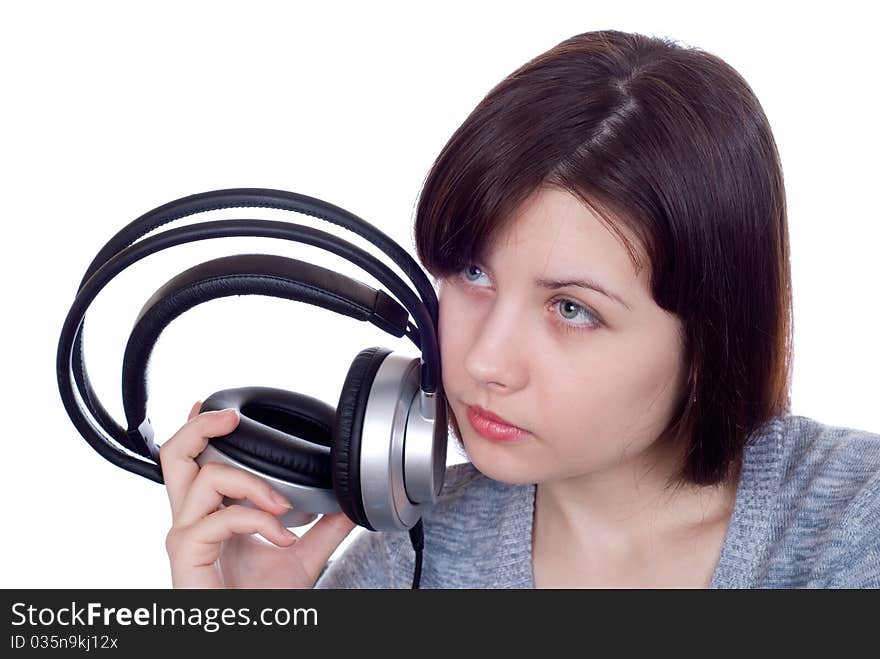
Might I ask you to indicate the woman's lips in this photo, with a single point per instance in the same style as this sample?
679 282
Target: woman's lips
490 427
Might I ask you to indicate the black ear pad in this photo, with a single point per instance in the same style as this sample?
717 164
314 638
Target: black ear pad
281 433
345 451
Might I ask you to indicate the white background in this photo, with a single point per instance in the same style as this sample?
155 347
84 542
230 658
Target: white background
109 110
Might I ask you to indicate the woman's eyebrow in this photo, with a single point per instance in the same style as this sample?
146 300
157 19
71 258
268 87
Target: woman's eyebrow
553 284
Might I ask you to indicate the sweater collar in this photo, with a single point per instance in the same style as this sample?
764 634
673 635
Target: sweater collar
747 539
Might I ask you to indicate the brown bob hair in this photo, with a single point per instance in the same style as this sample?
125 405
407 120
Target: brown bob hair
671 143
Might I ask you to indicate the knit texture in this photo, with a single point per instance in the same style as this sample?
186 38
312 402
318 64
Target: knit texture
807 515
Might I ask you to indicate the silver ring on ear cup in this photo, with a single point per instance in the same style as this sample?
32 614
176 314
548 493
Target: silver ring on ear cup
386 487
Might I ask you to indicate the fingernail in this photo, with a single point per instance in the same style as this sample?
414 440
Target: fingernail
280 500
231 413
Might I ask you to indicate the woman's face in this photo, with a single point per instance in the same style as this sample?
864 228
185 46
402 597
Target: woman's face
594 382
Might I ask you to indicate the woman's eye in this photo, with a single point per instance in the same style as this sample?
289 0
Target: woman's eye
570 310
470 275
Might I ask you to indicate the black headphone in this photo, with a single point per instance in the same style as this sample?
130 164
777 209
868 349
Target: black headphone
380 456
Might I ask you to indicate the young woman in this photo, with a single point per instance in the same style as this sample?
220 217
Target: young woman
608 234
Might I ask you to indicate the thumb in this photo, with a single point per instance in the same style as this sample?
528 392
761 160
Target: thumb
319 542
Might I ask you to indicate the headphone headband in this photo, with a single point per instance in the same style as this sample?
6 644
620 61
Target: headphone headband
268 198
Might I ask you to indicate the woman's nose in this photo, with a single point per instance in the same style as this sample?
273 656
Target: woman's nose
499 352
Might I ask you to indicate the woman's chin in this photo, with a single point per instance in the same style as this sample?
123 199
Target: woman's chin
498 464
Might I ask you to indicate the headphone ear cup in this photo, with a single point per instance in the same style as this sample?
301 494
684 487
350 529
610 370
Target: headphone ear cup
345 450
281 433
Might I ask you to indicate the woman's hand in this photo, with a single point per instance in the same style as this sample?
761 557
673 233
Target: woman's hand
213 547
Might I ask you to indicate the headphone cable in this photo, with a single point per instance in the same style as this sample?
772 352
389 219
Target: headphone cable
417 537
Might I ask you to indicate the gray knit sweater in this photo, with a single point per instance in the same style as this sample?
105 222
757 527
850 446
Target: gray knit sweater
807 515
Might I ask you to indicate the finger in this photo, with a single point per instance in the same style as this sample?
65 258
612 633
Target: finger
240 520
319 542
214 481
176 455
195 410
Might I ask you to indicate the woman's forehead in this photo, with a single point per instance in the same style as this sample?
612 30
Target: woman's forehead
555 234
